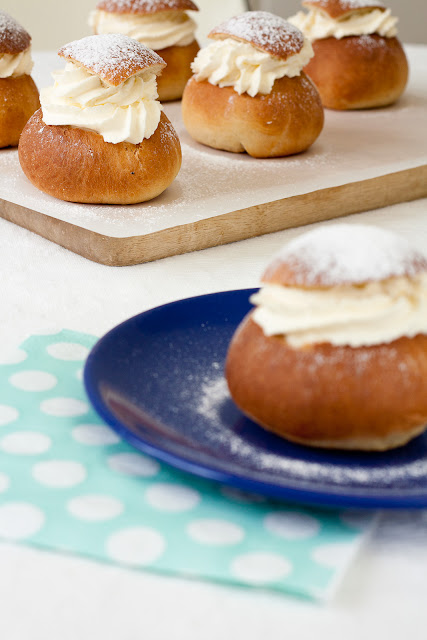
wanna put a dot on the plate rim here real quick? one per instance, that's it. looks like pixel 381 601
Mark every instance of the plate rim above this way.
pixel 304 496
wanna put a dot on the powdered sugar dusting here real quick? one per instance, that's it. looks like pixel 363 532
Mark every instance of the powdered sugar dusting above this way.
pixel 146 6
pixel 348 254
pixel 264 31
pixel 113 57
pixel 339 8
pixel 13 37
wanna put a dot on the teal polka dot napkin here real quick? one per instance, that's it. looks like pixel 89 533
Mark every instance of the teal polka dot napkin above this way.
pixel 68 483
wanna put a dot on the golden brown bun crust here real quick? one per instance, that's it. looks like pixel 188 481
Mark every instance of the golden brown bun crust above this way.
pixel 263 30
pixel 358 72
pixel 286 121
pixel 171 83
pixel 19 99
pixel 13 38
pixel 322 395
pixel 77 165
pixel 341 8
pixel 144 7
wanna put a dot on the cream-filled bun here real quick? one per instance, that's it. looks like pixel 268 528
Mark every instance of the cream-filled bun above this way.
pixel 101 135
pixel 162 25
pixel 19 97
pixel 335 352
pixel 359 63
pixel 249 92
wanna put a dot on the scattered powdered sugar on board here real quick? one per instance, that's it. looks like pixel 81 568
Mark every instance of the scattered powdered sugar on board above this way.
pixel 113 57
pixel 348 254
pixel 145 6
pixel 265 31
pixel 353 147
pixel 340 8
pixel 13 37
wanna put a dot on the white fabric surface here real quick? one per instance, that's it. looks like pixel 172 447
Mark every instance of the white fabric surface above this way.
pixel 44 287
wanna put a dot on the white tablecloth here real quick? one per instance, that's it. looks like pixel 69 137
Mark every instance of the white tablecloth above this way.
pixel 46 596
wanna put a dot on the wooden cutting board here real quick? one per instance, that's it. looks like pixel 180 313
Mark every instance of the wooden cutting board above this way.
pixel 362 161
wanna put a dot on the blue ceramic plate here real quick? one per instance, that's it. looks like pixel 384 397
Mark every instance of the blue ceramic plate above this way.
pixel 158 380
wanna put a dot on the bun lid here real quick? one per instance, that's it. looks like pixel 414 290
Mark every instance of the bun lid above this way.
pixel 145 7
pixel 13 38
pixel 113 57
pixel 342 8
pixel 263 30
pixel 344 254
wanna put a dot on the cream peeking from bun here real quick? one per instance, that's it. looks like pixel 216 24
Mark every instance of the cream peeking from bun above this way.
pixel 359 63
pixel 19 97
pixel 249 92
pixel 335 352
pixel 101 135
pixel 162 25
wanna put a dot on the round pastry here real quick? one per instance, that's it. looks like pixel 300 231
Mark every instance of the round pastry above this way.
pixel 335 353
pixel 101 135
pixel 249 92
pixel 162 25
pixel 359 63
pixel 19 97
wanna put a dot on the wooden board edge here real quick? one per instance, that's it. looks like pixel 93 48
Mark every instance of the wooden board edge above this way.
pixel 324 204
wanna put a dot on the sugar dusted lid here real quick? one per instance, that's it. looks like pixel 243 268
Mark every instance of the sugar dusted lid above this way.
pixel 344 254
pixel 113 57
pixel 144 7
pixel 13 38
pixel 341 8
pixel 263 30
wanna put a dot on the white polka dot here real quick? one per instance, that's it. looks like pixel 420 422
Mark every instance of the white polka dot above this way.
pixel 95 508
pixel 134 464
pixel 172 497
pixel 260 568
pixel 94 435
pixel 7 414
pixel 33 380
pixel 64 407
pixel 291 525
pixel 79 374
pixel 59 474
pixel 215 532
pixel 19 520
pixel 4 482
pixel 334 555
pixel 12 356
pixel 67 351
pixel 26 443
pixel 136 546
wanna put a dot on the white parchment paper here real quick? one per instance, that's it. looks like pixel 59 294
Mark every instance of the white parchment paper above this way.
pixel 354 146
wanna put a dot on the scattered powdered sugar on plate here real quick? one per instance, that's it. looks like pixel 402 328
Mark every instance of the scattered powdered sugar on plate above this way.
pixel 145 6
pixel 13 37
pixel 113 57
pixel 263 30
pixel 348 254
pixel 225 436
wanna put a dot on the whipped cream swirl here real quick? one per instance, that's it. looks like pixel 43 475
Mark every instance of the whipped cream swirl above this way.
pixel 157 31
pixel 231 63
pixel 358 315
pixel 127 113
pixel 15 65
pixel 316 24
